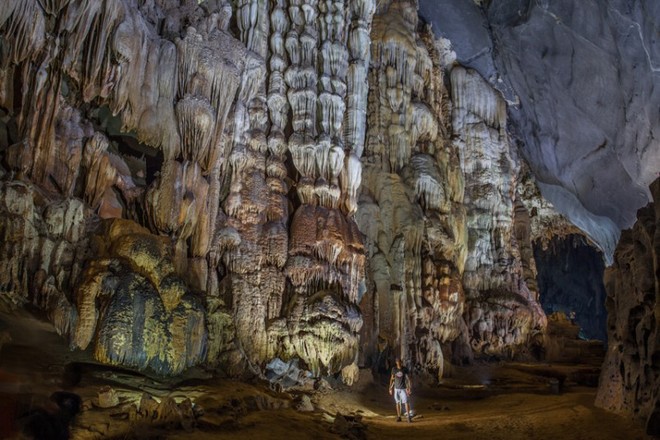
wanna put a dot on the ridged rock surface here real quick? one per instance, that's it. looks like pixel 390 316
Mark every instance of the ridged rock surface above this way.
pixel 410 200
pixel 43 249
pixel 583 82
pixel 500 276
pixel 229 183
pixel 630 381
pixel 132 306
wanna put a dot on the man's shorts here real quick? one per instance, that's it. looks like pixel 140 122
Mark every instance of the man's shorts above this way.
pixel 400 396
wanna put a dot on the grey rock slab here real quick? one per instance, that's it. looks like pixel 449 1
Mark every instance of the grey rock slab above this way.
pixel 584 81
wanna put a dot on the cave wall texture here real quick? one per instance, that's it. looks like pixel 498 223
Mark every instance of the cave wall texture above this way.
pixel 212 184
pixel 630 379
pixel 227 183
pixel 581 78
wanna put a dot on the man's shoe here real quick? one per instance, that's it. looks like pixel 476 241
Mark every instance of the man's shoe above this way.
pixel 409 419
pixel 398 419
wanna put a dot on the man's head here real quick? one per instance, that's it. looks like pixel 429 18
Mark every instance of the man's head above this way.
pixel 398 362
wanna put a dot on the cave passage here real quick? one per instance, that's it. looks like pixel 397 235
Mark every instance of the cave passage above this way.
pixel 570 279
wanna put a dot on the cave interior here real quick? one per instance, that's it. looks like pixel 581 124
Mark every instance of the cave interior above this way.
pixel 227 219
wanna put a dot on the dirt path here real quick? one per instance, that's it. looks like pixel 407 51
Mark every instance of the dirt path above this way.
pixel 515 404
pixel 509 416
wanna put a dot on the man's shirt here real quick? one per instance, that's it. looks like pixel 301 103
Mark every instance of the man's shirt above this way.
pixel 400 377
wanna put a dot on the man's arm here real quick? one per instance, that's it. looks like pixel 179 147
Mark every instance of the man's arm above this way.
pixel 391 382
pixel 408 383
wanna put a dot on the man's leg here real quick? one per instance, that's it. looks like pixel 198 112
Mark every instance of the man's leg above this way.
pixel 408 411
pixel 398 410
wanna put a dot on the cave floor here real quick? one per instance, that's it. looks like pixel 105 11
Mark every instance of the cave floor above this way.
pixel 484 401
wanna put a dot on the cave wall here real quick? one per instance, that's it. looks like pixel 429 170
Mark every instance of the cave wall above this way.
pixel 224 184
pixel 410 200
pixel 583 86
pixel 630 378
pixel 570 279
pixel 502 311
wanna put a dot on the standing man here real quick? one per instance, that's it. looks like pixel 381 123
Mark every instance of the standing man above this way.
pixel 400 385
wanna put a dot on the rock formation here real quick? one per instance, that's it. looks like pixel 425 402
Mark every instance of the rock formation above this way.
pixel 133 307
pixel 321 184
pixel 630 381
pixel 410 200
pixel 44 249
pixel 503 312
pixel 232 183
pixel 581 79
pixel 280 273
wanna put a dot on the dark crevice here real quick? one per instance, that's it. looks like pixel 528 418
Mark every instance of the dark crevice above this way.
pixel 570 279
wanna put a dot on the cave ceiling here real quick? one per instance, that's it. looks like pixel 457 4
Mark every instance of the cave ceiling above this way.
pixel 582 80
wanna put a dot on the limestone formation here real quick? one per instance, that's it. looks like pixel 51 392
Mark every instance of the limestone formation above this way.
pixel 42 249
pixel 581 80
pixel 294 287
pixel 133 308
pixel 410 201
pixel 503 312
pixel 314 183
pixel 629 380
pixel 230 183
pixel 543 222
pixel 278 180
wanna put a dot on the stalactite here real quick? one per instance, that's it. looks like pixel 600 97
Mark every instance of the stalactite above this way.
pixel 504 314
pixel 256 217
pixel 175 202
pixel 416 272
pixel 324 247
pixel 293 160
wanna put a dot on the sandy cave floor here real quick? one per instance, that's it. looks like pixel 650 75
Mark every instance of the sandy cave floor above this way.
pixel 486 401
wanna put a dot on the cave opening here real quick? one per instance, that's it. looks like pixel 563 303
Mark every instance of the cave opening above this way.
pixel 570 280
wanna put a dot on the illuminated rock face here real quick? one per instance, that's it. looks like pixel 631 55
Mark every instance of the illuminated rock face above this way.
pixel 170 73
pixel 225 183
pixel 503 313
pixel 582 82
pixel 629 380
pixel 133 307
pixel 42 250
pixel 295 258
pixel 410 200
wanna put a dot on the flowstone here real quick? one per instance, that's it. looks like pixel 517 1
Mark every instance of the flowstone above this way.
pixel 228 183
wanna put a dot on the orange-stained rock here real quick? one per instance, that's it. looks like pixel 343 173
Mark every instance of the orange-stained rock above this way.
pixel 110 206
